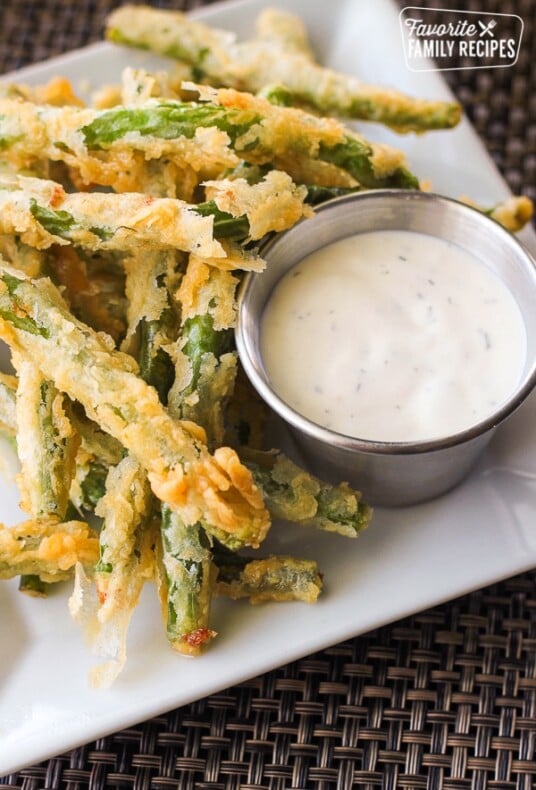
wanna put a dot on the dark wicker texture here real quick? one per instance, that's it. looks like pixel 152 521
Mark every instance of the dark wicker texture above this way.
pixel 444 699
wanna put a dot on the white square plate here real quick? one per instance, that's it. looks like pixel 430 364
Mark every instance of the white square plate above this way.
pixel 410 559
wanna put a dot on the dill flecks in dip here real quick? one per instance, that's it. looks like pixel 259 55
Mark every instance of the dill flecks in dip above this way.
pixel 393 336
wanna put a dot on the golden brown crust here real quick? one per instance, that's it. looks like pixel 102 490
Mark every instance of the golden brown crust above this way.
pixel 274 204
pixel 47 548
pixel 204 289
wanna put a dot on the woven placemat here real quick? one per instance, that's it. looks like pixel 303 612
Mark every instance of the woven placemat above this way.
pixel 444 699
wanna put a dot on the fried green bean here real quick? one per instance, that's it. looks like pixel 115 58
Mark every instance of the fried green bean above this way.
pixel 513 213
pixel 123 565
pixel 258 132
pixel 205 367
pixel 104 605
pixel 33 585
pixel 185 583
pixel 42 213
pixel 46 549
pixel 274 578
pixel 97 452
pixel 212 362
pixel 46 443
pixel 33 135
pixel 46 446
pixel 152 317
pixel 250 65
pixel 125 504
pixel 290 492
pixel 184 558
pixel 204 356
pixel 294 495
pixel 225 126
pixel 216 488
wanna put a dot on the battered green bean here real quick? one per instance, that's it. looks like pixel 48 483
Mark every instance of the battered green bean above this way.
pixel 33 585
pixel 217 489
pixel 290 492
pixel 274 578
pixel 46 443
pixel 184 557
pixel 152 316
pixel 46 446
pixel 205 360
pixel 295 495
pixel 226 126
pixel 185 584
pixel 124 564
pixel 42 213
pixel 46 549
pixel 251 65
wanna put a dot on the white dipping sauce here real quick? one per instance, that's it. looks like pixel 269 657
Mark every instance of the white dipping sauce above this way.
pixel 393 336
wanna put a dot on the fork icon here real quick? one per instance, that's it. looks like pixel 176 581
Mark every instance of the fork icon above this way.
pixel 487 28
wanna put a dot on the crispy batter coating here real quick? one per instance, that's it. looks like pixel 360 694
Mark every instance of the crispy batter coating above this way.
pixel 98 220
pixel 279 55
pixel 276 578
pixel 58 92
pixel 514 213
pixel 36 132
pixel 47 548
pixel 204 289
pixel 47 443
pixel 82 363
pixel 274 204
